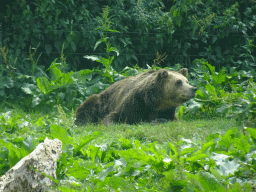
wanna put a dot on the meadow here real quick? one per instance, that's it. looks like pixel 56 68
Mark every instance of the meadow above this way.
pixel 200 154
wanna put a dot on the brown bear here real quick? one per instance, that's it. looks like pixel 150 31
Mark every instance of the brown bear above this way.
pixel 149 96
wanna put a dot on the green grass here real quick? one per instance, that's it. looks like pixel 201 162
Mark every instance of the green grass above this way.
pixel 144 132
pixel 164 132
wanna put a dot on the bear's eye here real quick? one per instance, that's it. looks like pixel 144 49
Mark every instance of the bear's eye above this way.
pixel 179 83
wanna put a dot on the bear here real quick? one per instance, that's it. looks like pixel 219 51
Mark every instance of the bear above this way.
pixel 149 96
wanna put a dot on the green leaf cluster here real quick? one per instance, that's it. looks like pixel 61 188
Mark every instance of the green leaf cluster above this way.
pixel 227 93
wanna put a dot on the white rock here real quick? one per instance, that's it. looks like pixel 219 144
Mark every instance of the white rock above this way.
pixel 22 178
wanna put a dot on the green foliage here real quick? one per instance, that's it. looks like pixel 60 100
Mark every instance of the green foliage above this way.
pixel 218 164
pixel 105 22
pixel 186 30
pixel 189 165
pixel 227 93
pixel 94 160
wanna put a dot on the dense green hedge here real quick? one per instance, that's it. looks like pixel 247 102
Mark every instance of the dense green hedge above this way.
pixel 221 33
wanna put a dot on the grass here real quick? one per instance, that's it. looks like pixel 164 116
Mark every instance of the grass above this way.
pixel 144 132
pixel 165 132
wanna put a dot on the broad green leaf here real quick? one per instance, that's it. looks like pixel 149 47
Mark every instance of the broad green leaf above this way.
pixel 181 111
pixel 85 74
pixel 66 189
pixel 125 143
pixel 92 152
pixel 14 156
pixel 61 133
pixel 228 167
pixel 40 121
pixel 29 143
pixel 95 88
pixel 252 132
pixel 211 68
pixel 240 186
pixel 209 182
pixel 220 78
pixel 197 157
pixel 55 73
pixel 188 150
pixel 14 153
pixel 227 140
pixel 43 84
pixel 118 183
pixel 106 62
pixel 242 145
pixel 224 165
pixel 120 162
pixel 211 89
pixel 173 150
pixel 200 94
pixel 80 169
pixel 67 78
pixel 105 172
pixel 207 146
pixel 85 140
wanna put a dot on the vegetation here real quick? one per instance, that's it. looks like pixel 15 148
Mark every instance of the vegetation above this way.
pixel 212 146
pixel 220 32
pixel 209 156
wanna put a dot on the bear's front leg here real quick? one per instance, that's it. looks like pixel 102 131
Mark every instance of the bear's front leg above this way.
pixel 168 114
pixel 111 118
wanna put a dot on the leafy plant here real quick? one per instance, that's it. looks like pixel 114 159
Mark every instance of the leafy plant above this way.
pixel 185 166
pixel 105 27
pixel 225 94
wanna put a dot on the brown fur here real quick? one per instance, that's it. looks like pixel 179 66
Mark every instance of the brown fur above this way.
pixel 145 97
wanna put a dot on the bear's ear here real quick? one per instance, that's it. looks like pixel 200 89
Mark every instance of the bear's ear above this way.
pixel 183 71
pixel 163 73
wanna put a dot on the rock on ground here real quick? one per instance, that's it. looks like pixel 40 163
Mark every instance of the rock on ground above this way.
pixel 22 178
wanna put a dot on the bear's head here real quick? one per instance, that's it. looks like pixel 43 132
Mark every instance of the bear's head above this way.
pixel 176 89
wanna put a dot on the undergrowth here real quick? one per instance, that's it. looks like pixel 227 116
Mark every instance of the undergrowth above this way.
pixel 197 155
